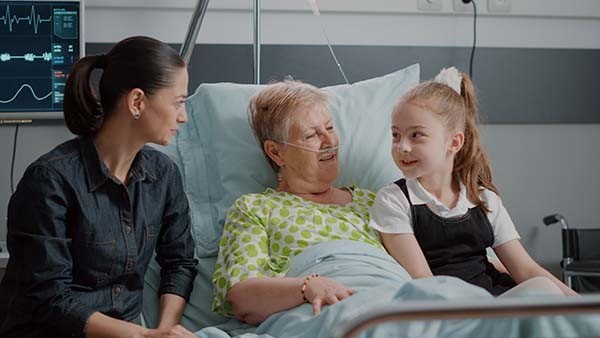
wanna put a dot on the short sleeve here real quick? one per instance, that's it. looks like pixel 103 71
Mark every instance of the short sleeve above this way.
pixel 390 212
pixel 243 250
pixel 502 224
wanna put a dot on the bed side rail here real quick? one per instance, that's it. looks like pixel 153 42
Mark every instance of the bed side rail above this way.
pixel 494 308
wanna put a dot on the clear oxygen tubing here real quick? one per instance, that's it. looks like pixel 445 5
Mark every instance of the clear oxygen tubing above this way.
pixel 315 9
pixel 328 150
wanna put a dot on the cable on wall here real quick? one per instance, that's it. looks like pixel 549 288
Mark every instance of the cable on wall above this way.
pixel 12 163
pixel 474 36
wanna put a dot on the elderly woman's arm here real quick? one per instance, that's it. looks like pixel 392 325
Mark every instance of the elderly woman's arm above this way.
pixel 248 282
pixel 254 299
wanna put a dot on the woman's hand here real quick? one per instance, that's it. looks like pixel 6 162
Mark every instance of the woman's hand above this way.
pixel 322 291
pixel 176 331
pixel 102 326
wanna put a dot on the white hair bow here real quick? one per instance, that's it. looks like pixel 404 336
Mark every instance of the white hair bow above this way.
pixel 450 77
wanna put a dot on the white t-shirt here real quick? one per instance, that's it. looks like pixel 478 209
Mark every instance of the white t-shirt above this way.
pixel 390 212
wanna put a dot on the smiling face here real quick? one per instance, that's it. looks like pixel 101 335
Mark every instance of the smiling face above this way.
pixel 165 109
pixel 421 145
pixel 304 168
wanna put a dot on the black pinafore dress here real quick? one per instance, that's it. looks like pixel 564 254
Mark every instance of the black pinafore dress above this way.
pixel 457 246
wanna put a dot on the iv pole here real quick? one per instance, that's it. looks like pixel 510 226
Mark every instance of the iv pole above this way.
pixel 256 41
pixel 194 27
pixel 192 32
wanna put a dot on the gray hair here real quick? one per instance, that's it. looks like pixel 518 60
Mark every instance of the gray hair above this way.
pixel 272 110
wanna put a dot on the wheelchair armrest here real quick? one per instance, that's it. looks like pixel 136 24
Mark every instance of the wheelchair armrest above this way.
pixel 592 266
pixel 556 218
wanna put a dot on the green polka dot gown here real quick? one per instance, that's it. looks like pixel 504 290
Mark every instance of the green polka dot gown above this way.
pixel 263 231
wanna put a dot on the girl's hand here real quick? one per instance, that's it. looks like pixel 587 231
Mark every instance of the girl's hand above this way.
pixel 322 291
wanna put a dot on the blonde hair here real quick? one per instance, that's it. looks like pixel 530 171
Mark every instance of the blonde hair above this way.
pixel 458 112
pixel 272 110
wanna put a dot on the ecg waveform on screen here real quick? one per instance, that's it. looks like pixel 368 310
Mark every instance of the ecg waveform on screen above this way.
pixel 5 57
pixel 33 19
pixel 32 92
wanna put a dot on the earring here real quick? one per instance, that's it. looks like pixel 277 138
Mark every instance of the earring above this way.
pixel 279 175
pixel 136 116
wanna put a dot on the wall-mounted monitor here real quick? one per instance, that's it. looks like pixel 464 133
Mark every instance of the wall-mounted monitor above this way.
pixel 39 43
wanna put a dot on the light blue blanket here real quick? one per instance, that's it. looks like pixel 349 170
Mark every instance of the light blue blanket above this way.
pixel 380 281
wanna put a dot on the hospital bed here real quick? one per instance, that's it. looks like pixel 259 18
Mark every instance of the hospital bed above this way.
pixel 500 308
pixel 220 160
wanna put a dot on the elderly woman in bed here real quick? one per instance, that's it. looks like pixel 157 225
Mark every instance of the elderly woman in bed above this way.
pixel 292 123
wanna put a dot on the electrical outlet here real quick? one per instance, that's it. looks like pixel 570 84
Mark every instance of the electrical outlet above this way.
pixel 429 5
pixel 498 6
pixel 461 7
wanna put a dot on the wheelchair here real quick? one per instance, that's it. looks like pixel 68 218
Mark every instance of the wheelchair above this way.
pixel 581 255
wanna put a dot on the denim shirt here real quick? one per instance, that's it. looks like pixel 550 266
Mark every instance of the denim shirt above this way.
pixel 80 241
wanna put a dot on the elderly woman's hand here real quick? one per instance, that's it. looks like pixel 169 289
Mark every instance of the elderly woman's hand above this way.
pixel 322 291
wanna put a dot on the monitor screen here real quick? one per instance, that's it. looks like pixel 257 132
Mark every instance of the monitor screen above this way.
pixel 39 43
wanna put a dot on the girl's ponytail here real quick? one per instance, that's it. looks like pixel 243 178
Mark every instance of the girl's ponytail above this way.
pixel 81 106
pixel 471 164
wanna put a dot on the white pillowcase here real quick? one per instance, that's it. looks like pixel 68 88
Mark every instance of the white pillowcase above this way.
pixel 220 159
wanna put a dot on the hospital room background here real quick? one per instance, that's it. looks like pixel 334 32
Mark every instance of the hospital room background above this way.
pixel 536 66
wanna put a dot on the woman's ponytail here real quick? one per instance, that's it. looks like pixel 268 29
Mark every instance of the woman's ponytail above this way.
pixel 136 62
pixel 81 106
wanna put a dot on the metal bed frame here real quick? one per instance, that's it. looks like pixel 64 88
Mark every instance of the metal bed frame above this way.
pixel 417 310
pixel 496 308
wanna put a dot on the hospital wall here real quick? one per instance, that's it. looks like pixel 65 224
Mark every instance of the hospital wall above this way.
pixel 536 70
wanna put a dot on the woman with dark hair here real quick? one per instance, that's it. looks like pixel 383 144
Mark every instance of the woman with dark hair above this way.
pixel 87 217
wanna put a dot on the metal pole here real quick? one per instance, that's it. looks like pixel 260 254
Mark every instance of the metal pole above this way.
pixel 192 32
pixel 257 41
pixel 493 308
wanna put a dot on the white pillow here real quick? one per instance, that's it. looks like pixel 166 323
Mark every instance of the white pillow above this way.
pixel 220 160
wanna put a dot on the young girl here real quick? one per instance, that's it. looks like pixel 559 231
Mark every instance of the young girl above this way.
pixel 443 216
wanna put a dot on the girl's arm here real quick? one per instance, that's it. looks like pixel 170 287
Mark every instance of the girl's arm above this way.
pixel 390 216
pixel 255 299
pixel 498 265
pixel 406 250
pixel 522 267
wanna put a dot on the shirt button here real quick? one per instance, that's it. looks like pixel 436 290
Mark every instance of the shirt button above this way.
pixel 130 265
pixel 128 229
pixel 117 289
